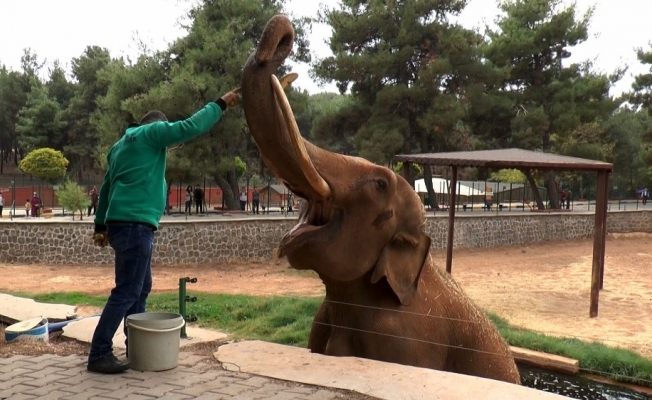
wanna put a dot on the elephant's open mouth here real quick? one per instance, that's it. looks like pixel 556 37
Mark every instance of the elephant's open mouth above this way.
pixel 316 222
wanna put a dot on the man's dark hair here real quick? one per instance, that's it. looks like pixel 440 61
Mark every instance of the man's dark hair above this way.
pixel 153 116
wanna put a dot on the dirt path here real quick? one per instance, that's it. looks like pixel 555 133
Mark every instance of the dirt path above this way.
pixel 259 279
pixel 544 287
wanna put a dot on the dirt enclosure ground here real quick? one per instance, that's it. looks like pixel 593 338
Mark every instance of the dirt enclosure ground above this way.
pixel 544 287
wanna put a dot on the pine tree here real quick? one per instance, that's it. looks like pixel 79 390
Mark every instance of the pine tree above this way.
pixel 533 39
pixel 413 76
pixel 642 86
pixel 72 197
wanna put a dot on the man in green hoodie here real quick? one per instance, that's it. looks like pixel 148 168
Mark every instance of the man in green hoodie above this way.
pixel 132 201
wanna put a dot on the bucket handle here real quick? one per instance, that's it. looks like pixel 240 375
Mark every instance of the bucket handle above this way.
pixel 140 328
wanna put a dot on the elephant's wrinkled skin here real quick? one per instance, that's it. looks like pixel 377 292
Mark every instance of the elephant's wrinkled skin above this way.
pixel 362 231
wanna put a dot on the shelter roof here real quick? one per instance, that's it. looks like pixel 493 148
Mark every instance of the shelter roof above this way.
pixel 278 189
pixel 507 158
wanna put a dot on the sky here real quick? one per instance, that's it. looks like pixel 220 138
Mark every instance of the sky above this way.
pixel 62 29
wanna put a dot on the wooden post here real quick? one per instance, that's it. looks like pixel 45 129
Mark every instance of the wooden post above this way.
pixel 451 220
pixel 604 229
pixel 598 243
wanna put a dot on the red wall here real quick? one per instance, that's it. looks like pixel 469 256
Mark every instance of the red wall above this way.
pixel 177 197
pixel 24 193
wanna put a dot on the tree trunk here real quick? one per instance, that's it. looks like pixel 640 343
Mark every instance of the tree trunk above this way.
pixel 229 198
pixel 552 190
pixel 233 181
pixel 535 189
pixel 427 179
pixel 427 173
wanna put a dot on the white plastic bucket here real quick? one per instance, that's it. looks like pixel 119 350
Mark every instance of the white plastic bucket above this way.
pixel 30 329
pixel 154 340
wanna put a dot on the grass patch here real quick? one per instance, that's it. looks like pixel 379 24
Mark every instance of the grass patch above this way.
pixel 284 320
pixel 304 273
pixel 75 298
pixel 287 320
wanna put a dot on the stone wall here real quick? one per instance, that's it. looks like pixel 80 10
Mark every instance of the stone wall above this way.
pixel 193 242
pixel 482 229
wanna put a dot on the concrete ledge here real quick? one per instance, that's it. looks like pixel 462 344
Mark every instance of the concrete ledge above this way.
pixel 369 377
pixel 83 329
pixel 14 309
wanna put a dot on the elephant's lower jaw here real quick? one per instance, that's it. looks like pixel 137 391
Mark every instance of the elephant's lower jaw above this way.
pixel 313 229
pixel 297 238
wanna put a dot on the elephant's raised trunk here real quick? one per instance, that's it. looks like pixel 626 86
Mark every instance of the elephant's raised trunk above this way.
pixel 270 117
pixel 276 43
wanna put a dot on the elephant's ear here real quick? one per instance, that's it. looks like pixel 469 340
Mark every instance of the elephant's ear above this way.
pixel 401 262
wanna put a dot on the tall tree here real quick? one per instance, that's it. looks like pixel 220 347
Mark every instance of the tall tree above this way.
pixel 14 89
pixel 409 70
pixel 632 151
pixel 533 40
pixel 333 120
pixel 40 122
pixel 13 96
pixel 642 94
pixel 125 81
pixel 83 136
pixel 60 88
pixel 203 65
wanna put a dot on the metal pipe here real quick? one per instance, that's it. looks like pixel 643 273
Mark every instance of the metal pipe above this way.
pixel 182 303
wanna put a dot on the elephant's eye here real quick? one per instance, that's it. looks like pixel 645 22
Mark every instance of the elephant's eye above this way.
pixel 381 184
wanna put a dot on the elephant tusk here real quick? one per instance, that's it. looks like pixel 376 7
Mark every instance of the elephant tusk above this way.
pixel 315 180
pixel 288 79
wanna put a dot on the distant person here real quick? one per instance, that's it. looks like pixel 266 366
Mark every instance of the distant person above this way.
pixel 243 199
pixel 36 204
pixel 167 200
pixel 132 202
pixel 645 194
pixel 94 198
pixel 256 201
pixel 188 209
pixel 569 196
pixel 28 206
pixel 290 201
pixel 2 204
pixel 198 194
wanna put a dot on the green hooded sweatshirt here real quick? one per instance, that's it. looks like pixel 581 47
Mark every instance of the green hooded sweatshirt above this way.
pixel 134 187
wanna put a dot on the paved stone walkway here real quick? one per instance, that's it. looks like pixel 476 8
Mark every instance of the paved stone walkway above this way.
pixel 57 377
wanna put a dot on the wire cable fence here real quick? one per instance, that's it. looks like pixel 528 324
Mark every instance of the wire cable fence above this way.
pixel 458 347
pixel 546 332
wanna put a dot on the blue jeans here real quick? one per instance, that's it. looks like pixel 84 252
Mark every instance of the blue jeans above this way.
pixel 132 243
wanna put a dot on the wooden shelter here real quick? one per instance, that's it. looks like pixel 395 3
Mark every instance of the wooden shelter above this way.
pixel 525 160
pixel 276 196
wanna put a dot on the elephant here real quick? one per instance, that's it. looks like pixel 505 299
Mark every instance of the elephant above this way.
pixel 362 230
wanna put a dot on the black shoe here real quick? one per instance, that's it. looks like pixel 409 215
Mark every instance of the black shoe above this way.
pixel 107 365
